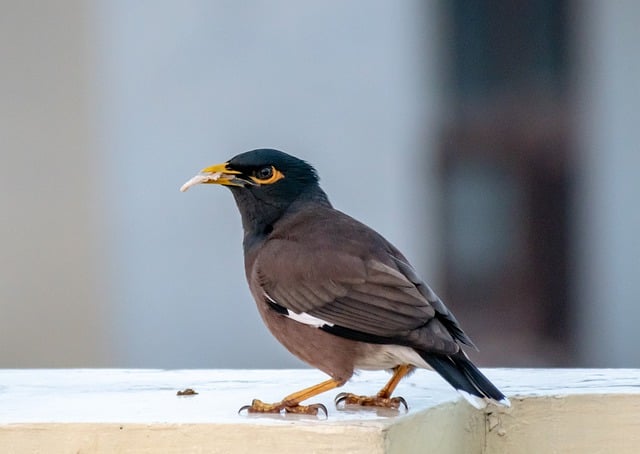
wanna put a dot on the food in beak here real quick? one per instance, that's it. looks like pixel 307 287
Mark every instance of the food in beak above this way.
pixel 203 178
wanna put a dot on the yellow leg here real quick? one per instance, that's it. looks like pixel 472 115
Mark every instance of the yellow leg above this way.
pixel 398 374
pixel 383 398
pixel 291 403
pixel 297 397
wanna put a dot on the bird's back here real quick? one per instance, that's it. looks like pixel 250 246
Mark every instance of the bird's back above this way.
pixel 323 243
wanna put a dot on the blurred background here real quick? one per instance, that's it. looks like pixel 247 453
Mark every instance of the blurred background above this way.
pixel 496 143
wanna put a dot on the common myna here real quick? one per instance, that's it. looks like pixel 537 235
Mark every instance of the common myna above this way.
pixel 334 292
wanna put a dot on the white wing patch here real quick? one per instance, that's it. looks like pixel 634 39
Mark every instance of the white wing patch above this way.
pixel 302 317
pixel 308 319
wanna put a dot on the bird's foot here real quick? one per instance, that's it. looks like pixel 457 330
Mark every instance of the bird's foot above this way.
pixel 371 401
pixel 257 406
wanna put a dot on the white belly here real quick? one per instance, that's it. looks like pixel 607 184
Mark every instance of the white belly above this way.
pixel 378 357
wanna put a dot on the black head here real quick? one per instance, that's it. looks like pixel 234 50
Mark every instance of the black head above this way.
pixel 266 184
pixel 273 171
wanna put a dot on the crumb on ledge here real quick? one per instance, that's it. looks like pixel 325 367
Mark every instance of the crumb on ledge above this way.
pixel 186 392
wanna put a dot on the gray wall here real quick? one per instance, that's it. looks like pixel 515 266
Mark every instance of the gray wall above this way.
pixel 118 104
pixel 182 86
pixel 107 107
pixel 608 191
pixel 51 308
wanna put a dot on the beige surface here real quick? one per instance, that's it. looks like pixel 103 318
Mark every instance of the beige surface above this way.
pixel 137 411
pixel 596 423
pixel 188 438
pixel 444 429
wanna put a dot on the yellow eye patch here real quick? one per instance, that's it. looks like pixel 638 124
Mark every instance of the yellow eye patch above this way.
pixel 267 175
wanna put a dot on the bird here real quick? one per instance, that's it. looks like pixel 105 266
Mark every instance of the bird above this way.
pixel 336 293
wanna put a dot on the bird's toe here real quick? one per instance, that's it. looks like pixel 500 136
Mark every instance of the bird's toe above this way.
pixel 258 407
pixel 343 400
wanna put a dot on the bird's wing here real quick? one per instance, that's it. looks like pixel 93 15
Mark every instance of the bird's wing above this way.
pixel 365 299
pixel 443 314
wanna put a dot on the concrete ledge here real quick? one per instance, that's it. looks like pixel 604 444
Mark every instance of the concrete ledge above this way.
pixel 131 411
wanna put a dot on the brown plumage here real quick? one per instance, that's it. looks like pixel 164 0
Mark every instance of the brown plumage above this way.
pixel 333 291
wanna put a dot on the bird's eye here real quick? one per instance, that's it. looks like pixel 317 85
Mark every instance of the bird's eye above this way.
pixel 264 173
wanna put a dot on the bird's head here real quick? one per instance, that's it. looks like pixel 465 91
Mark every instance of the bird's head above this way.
pixel 265 183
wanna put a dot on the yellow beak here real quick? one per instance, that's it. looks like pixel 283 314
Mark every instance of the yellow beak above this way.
pixel 217 174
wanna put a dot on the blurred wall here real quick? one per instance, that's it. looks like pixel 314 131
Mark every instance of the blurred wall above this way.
pixel 607 221
pixel 113 106
pixel 348 86
pixel 107 107
pixel 51 311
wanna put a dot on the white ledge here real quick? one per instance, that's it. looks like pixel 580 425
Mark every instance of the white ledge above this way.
pixel 98 410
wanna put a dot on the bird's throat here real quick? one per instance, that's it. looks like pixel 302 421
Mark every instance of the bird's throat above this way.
pixel 260 215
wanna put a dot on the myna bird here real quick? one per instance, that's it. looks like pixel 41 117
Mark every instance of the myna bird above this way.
pixel 334 292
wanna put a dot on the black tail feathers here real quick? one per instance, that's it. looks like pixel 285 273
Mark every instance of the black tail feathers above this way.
pixel 465 377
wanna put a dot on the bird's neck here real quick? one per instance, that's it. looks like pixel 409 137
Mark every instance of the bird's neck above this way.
pixel 259 218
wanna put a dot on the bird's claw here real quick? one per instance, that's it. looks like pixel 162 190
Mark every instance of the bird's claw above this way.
pixel 257 407
pixel 371 401
pixel 312 409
